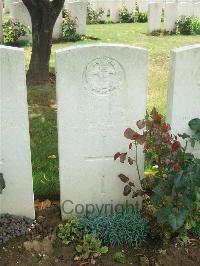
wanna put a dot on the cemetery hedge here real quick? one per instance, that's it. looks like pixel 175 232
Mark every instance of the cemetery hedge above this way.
pixel 42 99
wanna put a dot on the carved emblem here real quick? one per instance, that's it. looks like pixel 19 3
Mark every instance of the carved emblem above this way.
pixel 103 75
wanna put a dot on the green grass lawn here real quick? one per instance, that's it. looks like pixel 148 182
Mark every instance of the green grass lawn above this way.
pixel 42 99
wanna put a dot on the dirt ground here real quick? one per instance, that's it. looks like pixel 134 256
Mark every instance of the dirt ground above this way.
pixel 40 247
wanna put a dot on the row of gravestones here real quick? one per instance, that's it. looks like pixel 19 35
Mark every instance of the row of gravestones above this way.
pixel 78 10
pixel 172 12
pixel 101 90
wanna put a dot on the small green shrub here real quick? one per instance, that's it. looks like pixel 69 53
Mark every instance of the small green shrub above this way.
pixel 69 25
pixel 94 16
pixel 125 16
pixel 13 31
pixel 196 25
pixel 141 17
pixel 117 228
pixel 69 231
pixel 184 25
pixel 119 257
pixel 90 247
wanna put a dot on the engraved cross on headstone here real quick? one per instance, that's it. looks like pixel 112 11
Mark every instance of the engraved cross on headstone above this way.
pixel 103 158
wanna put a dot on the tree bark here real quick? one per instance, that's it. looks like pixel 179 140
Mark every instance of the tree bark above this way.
pixel 44 14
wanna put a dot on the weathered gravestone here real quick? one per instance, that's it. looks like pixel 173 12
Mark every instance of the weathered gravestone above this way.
pixel 154 17
pixel 78 11
pixel 101 91
pixel 197 10
pixel 15 157
pixel 184 89
pixel 185 9
pixel 170 18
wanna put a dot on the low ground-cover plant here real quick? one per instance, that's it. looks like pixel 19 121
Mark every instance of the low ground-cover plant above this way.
pixel 188 25
pixel 87 246
pixel 119 257
pixel 128 227
pixel 69 25
pixel 13 31
pixel 94 16
pixel 70 231
pixel 13 226
pixel 174 191
pixel 90 247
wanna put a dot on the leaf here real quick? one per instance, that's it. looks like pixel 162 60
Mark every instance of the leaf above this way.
pixel 162 215
pixel 117 155
pixel 2 183
pixel 123 157
pixel 130 161
pixel 123 178
pixel 127 190
pixel 177 219
pixel 104 250
pixel 141 123
pixel 131 184
pixel 79 248
pixel 194 124
pixel 130 134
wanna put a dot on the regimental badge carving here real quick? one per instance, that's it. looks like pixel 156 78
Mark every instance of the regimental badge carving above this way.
pixel 103 76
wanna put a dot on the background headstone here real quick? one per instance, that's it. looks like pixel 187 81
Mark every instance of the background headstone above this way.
pixel 184 89
pixel 185 9
pixel 98 98
pixel 78 10
pixel 170 17
pixel 197 10
pixel 154 17
pixel 15 156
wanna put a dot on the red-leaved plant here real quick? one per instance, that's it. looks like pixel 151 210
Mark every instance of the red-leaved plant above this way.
pixel 174 189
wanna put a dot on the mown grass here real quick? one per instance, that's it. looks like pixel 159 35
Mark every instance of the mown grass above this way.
pixel 42 99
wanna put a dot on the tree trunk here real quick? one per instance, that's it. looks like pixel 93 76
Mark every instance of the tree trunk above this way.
pixel 43 16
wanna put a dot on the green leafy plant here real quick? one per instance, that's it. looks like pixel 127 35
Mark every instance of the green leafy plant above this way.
pixel 69 26
pixel 174 191
pixel 90 248
pixel 119 257
pixel 125 16
pixel 94 16
pixel 13 31
pixel 184 25
pixel 2 183
pixel 70 231
pixel 196 25
pixel 127 227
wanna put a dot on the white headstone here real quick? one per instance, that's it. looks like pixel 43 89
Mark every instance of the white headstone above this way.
pixel 114 10
pixel 184 89
pixel 101 90
pixel 170 17
pixel 15 156
pixel 154 17
pixel 185 9
pixel 78 10
pixel 143 6
pixel 197 10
